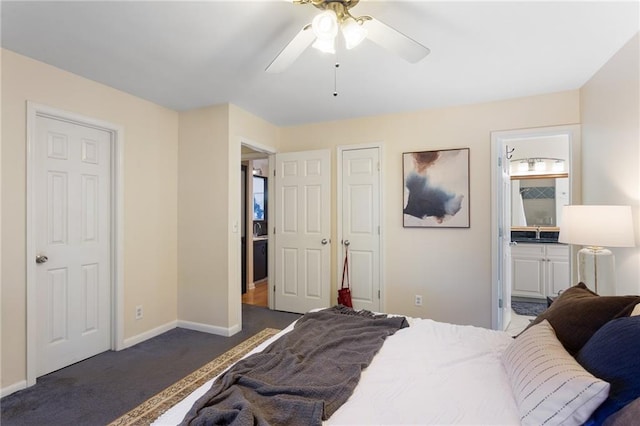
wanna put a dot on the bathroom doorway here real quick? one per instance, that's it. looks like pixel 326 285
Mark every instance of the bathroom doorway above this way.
pixel 535 173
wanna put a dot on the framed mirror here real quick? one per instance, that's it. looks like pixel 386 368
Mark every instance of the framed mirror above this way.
pixel 540 169
pixel 538 200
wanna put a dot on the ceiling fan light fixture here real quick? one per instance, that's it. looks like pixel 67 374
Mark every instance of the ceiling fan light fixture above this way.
pixel 325 45
pixel 335 16
pixel 325 28
pixel 353 32
pixel 325 25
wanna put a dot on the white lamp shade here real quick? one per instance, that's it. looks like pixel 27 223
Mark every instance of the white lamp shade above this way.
pixel 325 25
pixel 599 226
pixel 353 33
pixel 325 28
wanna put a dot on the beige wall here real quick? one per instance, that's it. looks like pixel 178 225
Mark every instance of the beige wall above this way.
pixel 209 213
pixel 610 115
pixel 248 128
pixel 450 268
pixel 203 255
pixel 150 196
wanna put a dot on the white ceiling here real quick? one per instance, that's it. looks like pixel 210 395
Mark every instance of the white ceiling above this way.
pixel 186 55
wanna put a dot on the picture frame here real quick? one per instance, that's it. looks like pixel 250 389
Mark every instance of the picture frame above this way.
pixel 436 189
pixel 259 198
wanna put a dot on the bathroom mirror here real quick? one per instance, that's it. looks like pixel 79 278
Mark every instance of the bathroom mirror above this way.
pixel 540 168
pixel 537 200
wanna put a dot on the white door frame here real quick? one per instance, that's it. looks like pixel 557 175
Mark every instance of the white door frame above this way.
pixel 117 220
pixel 339 150
pixel 498 139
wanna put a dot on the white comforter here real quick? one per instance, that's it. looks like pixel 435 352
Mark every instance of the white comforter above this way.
pixel 430 373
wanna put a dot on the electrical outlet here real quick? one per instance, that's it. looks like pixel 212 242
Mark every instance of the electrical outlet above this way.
pixel 139 312
pixel 418 301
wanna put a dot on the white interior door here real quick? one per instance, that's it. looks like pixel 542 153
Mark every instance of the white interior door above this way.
pixel 504 222
pixel 501 234
pixel 72 234
pixel 302 230
pixel 360 224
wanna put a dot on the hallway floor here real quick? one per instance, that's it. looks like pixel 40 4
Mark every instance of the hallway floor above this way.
pixel 257 296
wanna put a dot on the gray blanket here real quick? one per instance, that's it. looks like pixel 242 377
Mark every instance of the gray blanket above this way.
pixel 301 378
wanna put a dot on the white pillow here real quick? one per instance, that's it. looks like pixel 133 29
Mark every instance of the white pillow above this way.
pixel 636 311
pixel 548 384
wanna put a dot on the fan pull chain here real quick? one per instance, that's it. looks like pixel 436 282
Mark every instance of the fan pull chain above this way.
pixel 335 79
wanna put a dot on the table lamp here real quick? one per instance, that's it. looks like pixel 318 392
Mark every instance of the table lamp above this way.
pixel 597 227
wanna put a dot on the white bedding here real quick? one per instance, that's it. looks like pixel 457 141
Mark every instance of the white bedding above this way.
pixel 429 373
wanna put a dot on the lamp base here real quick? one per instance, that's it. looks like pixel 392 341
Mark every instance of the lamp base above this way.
pixel 596 268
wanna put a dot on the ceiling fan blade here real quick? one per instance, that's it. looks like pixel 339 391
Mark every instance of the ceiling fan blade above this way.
pixel 394 41
pixel 291 51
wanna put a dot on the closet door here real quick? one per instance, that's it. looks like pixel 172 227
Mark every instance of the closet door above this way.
pixel 360 224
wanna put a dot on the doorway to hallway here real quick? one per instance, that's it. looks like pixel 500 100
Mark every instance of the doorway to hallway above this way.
pixel 254 218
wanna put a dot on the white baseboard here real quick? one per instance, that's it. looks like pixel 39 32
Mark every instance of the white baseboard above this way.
pixel 211 329
pixel 149 334
pixel 13 388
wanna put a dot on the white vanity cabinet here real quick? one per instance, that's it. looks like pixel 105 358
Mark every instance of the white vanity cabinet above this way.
pixel 539 270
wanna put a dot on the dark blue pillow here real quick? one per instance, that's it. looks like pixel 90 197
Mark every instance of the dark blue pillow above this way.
pixel 613 355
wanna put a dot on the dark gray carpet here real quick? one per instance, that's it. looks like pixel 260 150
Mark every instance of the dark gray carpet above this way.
pixel 532 309
pixel 100 389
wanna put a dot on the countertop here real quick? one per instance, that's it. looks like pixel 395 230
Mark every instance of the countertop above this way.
pixel 535 241
pixel 529 237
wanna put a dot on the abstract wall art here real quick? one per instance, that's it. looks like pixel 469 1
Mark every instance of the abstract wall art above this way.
pixel 436 189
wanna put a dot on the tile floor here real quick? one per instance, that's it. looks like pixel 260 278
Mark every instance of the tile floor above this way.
pixel 518 323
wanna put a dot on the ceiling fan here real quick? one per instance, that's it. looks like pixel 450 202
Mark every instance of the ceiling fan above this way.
pixel 335 17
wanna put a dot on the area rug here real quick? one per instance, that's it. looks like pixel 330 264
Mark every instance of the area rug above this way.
pixel 531 309
pixel 154 407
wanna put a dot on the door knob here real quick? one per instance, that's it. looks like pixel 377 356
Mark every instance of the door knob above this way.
pixel 346 242
pixel 324 241
pixel 41 258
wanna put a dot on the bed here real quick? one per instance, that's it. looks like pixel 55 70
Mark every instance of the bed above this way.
pixel 558 371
